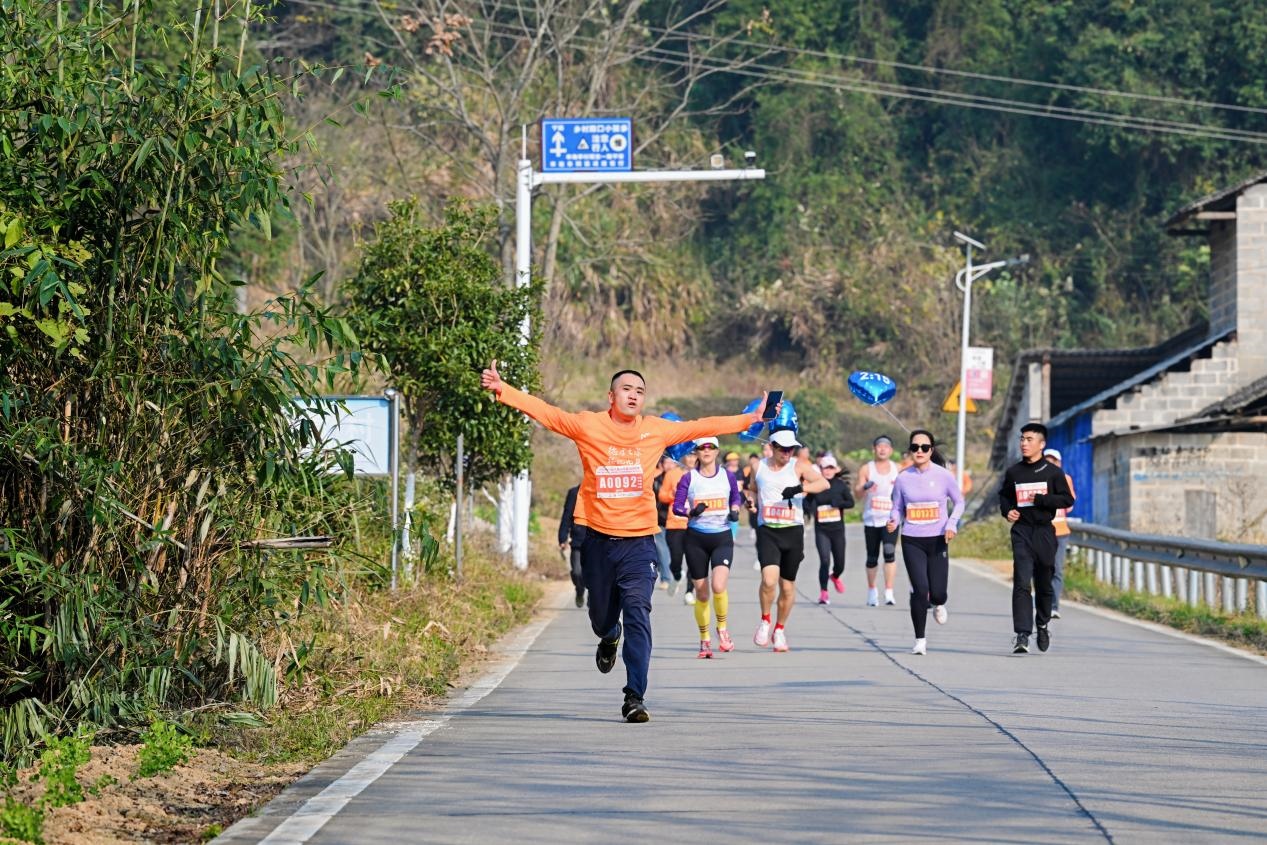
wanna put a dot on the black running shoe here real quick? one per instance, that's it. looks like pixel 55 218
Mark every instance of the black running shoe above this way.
pixel 605 657
pixel 1044 638
pixel 580 597
pixel 1021 644
pixel 634 710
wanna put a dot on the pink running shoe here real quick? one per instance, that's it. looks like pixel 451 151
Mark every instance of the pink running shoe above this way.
pixel 724 642
pixel 705 650
pixel 823 599
pixel 780 640
pixel 762 637
pixel 838 584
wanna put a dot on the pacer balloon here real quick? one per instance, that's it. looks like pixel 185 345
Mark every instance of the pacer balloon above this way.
pixel 678 451
pixel 786 418
pixel 872 388
pixel 753 431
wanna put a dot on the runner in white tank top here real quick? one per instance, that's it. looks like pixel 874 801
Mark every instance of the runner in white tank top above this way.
pixel 875 488
pixel 780 484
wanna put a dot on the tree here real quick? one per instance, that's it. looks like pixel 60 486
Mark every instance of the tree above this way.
pixel 146 438
pixel 430 302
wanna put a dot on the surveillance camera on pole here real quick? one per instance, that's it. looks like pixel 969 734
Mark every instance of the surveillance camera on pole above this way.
pixel 750 158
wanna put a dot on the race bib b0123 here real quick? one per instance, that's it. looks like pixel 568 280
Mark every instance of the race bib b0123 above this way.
pixel 922 513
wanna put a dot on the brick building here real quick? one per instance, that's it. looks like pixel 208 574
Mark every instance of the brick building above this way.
pixel 1170 439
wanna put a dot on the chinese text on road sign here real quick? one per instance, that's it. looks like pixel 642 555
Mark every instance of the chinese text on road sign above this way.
pixel 583 144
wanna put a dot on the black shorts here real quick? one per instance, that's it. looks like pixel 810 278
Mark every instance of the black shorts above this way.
pixel 705 550
pixel 781 547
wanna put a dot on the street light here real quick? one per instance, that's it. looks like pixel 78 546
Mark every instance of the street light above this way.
pixel 963 280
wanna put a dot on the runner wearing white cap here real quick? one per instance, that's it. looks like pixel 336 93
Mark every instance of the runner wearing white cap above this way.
pixel 828 511
pixel 1061 525
pixel 779 486
pixel 708 496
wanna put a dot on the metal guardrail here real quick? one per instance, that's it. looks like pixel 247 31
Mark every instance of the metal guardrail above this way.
pixel 1194 571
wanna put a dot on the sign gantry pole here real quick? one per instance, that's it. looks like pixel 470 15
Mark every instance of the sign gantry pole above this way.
pixel 580 151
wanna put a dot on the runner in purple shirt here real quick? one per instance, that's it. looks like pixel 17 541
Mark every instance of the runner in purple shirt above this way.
pixel 919 506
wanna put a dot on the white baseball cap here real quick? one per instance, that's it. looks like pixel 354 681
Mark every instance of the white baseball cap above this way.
pixel 707 441
pixel 784 437
pixel 1052 453
pixel 828 461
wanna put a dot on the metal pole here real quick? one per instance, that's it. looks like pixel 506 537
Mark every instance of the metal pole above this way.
pixel 1194 587
pixel 1211 598
pixel 1167 589
pixel 1242 595
pixel 457 521
pixel 963 369
pixel 1260 599
pixel 394 462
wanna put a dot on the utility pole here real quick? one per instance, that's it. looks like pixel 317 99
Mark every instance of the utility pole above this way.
pixel 527 180
pixel 963 280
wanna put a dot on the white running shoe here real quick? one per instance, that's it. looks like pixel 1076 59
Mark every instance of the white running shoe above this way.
pixel 888 597
pixel 780 640
pixel 762 637
pixel 873 597
pixel 1055 614
pixel 676 589
pixel 940 615
pixel 920 647
pixel 688 599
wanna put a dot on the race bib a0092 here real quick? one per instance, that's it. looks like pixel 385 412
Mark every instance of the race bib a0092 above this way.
pixel 619 482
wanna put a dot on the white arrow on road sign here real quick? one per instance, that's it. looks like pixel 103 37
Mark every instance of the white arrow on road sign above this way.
pixel 557 140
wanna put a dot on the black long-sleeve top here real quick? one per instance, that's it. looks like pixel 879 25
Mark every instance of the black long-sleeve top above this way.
pixel 568 529
pixel 837 495
pixel 1037 490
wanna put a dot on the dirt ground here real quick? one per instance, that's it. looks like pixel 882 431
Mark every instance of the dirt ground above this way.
pixel 182 805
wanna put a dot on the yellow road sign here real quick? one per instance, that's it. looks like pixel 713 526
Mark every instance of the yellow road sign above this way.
pixel 951 403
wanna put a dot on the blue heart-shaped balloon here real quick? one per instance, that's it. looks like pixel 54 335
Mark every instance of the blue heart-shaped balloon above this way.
pixel 786 418
pixel 678 450
pixel 872 388
pixel 753 431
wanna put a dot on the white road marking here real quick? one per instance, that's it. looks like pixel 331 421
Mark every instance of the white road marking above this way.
pixel 983 570
pixel 313 814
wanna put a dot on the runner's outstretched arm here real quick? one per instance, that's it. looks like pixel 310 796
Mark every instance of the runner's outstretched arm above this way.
pixel 555 419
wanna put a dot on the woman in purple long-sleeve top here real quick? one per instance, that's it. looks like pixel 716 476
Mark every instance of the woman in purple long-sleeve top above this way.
pixel 919 506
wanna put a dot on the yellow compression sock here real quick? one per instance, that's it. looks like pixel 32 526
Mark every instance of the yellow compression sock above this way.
pixel 701 618
pixel 721 603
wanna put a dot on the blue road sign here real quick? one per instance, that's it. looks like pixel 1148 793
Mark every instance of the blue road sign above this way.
pixel 572 145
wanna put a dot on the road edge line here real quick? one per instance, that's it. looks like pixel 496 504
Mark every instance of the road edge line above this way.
pixel 301 824
pixel 976 567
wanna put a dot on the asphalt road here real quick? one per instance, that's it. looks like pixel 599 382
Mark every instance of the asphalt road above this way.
pixel 1119 733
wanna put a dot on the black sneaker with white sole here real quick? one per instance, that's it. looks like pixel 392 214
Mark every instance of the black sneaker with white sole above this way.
pixel 1021 644
pixel 634 709
pixel 1044 638
pixel 605 657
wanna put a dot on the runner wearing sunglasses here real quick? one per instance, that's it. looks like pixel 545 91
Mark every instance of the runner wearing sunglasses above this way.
pixel 779 486
pixel 709 497
pixel 919 506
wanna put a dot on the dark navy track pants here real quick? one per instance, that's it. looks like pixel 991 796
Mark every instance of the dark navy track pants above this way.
pixel 620 574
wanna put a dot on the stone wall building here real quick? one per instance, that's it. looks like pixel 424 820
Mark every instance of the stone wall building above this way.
pixel 1177 442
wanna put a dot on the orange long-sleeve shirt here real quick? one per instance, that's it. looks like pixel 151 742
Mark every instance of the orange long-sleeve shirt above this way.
pixel 668 488
pixel 619 461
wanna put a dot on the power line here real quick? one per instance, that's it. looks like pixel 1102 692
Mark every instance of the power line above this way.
pixel 844 57
pixel 682 59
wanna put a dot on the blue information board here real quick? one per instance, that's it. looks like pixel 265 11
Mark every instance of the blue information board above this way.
pixel 574 145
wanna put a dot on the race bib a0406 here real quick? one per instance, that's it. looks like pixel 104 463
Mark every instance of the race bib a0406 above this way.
pixel 779 514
